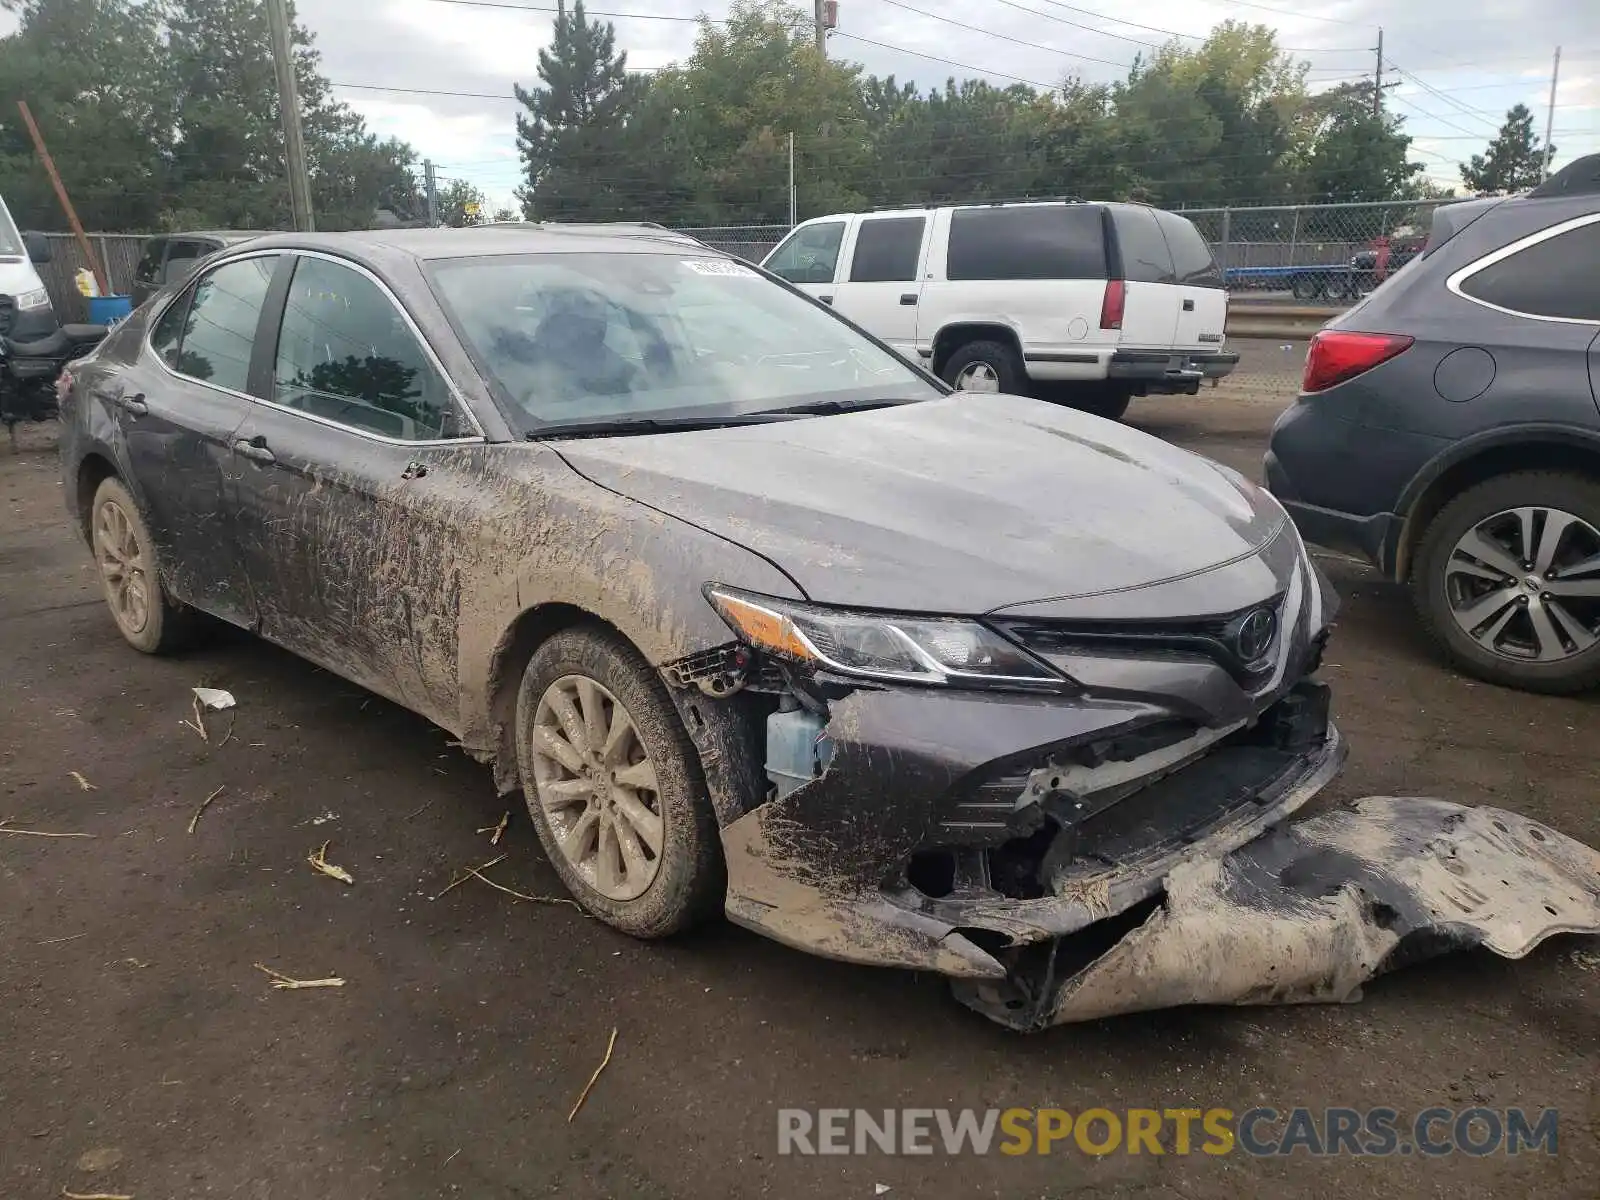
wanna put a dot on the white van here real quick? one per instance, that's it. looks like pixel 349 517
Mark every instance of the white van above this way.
pixel 1087 303
pixel 25 312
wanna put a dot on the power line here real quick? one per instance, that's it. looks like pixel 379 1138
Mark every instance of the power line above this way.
pixel 1422 112
pixel 614 16
pixel 1465 109
pixel 1004 36
pixel 1198 37
pixel 950 62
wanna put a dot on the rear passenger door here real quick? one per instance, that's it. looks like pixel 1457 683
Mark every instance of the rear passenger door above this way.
pixel 177 412
pixel 1203 297
pixel 881 290
pixel 349 474
pixel 1152 297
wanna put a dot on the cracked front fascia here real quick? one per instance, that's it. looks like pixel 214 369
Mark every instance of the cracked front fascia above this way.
pixel 821 868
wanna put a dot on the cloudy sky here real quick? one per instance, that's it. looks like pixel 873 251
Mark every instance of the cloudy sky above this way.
pixel 1458 66
pixel 1456 74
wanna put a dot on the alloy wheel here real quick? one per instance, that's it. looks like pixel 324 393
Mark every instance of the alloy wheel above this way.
pixel 124 567
pixel 978 377
pixel 1525 584
pixel 597 787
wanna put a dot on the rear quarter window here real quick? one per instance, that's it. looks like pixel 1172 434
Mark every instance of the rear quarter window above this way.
pixel 1142 247
pixel 1556 277
pixel 1191 257
pixel 1042 241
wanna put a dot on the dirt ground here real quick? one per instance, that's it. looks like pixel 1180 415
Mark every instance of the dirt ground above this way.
pixel 142 1053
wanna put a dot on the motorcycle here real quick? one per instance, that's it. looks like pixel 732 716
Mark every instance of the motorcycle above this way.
pixel 29 370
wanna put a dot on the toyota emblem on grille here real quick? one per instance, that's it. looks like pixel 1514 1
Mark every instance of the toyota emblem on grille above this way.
pixel 1253 635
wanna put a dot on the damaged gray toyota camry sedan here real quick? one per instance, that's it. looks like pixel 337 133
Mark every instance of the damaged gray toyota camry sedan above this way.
pixel 761 618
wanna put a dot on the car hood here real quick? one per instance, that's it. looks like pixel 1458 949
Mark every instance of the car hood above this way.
pixel 962 504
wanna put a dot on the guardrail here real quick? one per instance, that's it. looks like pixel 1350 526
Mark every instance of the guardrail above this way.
pixel 1295 321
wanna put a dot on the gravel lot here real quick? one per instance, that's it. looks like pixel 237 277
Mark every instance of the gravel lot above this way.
pixel 142 1053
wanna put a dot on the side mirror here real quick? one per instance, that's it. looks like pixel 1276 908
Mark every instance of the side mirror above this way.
pixel 38 247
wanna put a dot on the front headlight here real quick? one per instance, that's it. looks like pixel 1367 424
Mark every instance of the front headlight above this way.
pixel 32 301
pixel 936 650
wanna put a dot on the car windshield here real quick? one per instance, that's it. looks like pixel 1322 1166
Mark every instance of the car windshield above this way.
pixel 616 338
pixel 10 240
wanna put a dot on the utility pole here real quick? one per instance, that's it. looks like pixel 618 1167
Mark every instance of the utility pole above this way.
pixel 1377 88
pixel 822 29
pixel 792 221
pixel 430 189
pixel 1550 117
pixel 289 105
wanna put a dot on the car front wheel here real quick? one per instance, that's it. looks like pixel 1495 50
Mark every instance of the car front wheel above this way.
pixel 1507 579
pixel 614 787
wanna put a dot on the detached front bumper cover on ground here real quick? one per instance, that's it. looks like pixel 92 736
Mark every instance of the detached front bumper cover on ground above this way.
pixel 1312 910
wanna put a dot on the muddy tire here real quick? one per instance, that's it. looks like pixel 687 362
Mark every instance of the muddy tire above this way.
pixel 986 367
pixel 614 786
pixel 130 575
pixel 1503 581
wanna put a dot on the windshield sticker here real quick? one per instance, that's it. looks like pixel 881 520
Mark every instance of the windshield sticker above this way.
pixel 719 266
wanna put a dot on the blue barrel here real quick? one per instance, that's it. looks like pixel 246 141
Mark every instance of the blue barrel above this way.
pixel 103 310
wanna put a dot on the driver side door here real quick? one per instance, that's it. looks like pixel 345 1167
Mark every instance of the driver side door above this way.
pixel 809 259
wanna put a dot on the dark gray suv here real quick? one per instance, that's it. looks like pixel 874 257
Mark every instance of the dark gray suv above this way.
pixel 1447 428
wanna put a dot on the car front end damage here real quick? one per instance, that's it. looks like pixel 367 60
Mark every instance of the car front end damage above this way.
pixel 976 828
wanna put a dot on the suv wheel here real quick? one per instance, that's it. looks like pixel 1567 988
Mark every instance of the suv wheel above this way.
pixel 1105 400
pixel 985 367
pixel 1507 579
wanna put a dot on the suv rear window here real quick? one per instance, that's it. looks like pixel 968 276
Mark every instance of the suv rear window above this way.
pixel 1552 278
pixel 1144 252
pixel 1190 254
pixel 1033 241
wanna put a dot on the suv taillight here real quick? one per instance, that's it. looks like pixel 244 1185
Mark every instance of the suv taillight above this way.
pixel 1335 356
pixel 1111 306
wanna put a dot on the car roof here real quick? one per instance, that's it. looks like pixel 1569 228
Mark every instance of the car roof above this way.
pixel 505 239
pixel 227 236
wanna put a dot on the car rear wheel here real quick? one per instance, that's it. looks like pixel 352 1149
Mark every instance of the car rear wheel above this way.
pixel 985 367
pixel 125 557
pixel 1507 579
pixel 614 786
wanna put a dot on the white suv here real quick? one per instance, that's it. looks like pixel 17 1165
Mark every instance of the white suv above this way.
pixel 1087 303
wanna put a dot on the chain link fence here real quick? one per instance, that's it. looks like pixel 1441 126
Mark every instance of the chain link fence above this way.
pixel 1325 254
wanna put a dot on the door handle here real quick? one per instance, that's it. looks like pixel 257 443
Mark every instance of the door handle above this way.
pixel 908 297
pixel 1188 306
pixel 254 449
pixel 826 299
pixel 133 405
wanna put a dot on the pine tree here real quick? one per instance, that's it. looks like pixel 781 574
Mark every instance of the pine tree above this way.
pixel 1514 162
pixel 572 136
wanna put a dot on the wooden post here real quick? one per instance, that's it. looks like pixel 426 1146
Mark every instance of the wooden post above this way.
pixel 61 195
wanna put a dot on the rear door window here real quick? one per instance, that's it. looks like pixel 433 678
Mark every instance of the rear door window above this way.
pixel 811 255
pixel 1145 255
pixel 1555 277
pixel 1035 241
pixel 888 250
pixel 182 256
pixel 1191 257
pixel 219 324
